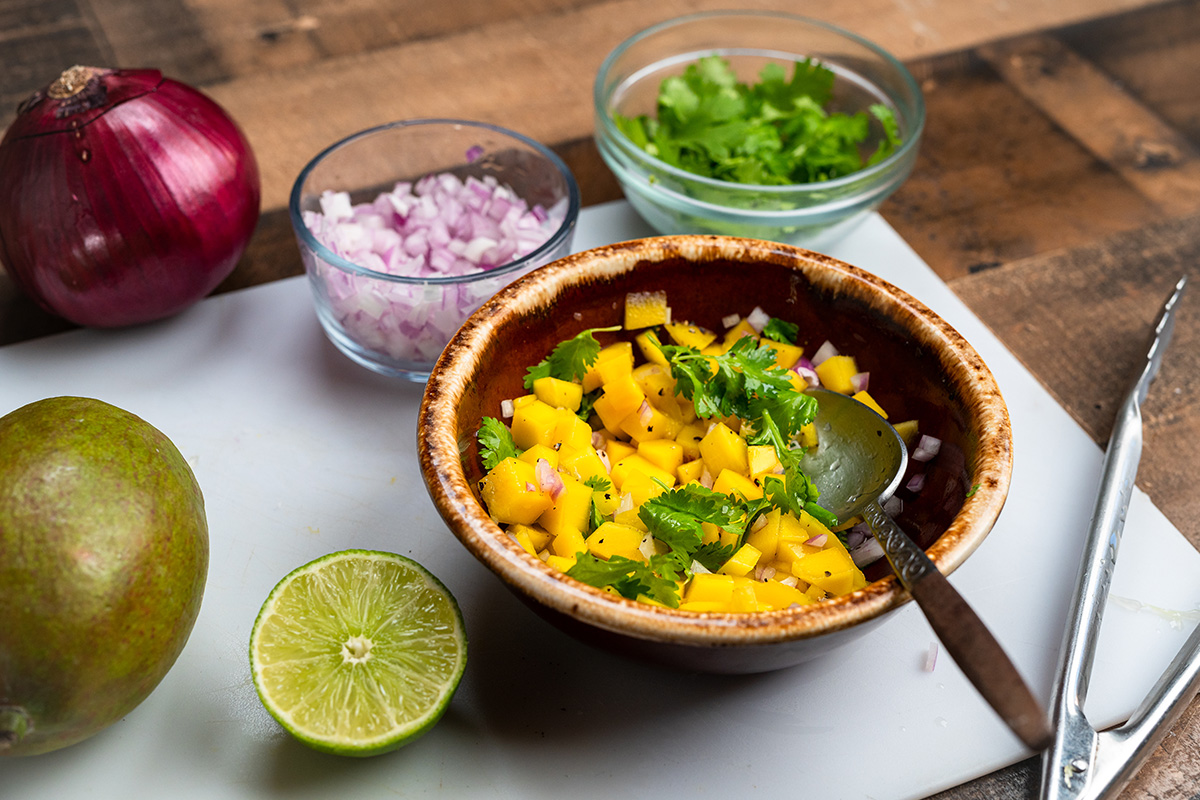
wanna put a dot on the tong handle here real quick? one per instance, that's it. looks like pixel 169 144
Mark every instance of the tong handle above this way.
pixel 1070 764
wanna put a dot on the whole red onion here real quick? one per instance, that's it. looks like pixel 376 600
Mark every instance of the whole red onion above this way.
pixel 124 196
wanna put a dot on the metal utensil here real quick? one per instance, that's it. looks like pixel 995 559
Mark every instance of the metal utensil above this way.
pixel 1083 764
pixel 859 463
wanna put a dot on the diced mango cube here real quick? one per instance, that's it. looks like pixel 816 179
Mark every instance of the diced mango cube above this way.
pixel 620 350
pixel 733 483
pixel 762 458
pixel 558 393
pixel 689 471
pixel 868 401
pixel 786 355
pixel 808 436
pixel 560 563
pixel 571 431
pixel 616 449
pixel 689 438
pixel 612 539
pixel 568 544
pixel 538 537
pixel 688 334
pixel 622 469
pixel 765 536
pixel 521 535
pixel 534 423
pixel 539 452
pixel 744 599
pixel 835 373
pixel 582 464
pixel 830 569
pixel 510 492
pixel 908 430
pixel 663 453
pixel 642 487
pixel 621 398
pixel 722 448
pixel 649 350
pixel 776 595
pixel 646 309
pixel 743 328
pixel 649 423
pixel 709 587
pixel 571 510
pixel 741 562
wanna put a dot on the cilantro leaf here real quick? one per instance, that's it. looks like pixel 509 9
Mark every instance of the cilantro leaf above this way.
pixel 781 330
pixel 570 358
pixel 495 442
pixel 676 518
pixel 628 577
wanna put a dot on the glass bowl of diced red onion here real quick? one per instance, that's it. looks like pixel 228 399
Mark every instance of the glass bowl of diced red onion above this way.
pixel 405 229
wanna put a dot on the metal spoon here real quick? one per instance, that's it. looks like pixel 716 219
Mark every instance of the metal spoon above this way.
pixel 859 463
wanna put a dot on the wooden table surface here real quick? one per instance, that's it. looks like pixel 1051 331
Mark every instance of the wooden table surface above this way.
pixel 1057 191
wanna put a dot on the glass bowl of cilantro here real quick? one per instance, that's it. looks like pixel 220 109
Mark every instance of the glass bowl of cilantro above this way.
pixel 757 124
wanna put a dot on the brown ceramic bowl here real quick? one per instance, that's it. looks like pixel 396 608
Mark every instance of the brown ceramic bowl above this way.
pixel 920 368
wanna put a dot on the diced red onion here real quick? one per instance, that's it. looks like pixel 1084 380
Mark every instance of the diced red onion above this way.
pixel 645 413
pixel 706 478
pixel 440 226
pixel 927 447
pixel 790 580
pixel 626 503
pixel 758 319
pixel 826 350
pixel 818 540
pixel 730 320
pixel 804 368
pixel 507 409
pixel 916 483
pixel 603 456
pixel 867 553
pixel 857 535
pixel 646 546
pixel 760 522
pixel 931 657
pixel 548 479
pixel 762 572
pixel 893 506
pixel 860 381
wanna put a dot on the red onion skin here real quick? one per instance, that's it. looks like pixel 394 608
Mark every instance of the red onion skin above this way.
pixel 128 212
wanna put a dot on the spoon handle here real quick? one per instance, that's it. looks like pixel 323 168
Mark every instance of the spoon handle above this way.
pixel 963 634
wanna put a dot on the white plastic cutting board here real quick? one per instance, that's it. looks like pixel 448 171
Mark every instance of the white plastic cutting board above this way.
pixel 301 453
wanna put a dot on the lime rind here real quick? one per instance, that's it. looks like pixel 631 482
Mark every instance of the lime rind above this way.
pixel 358 652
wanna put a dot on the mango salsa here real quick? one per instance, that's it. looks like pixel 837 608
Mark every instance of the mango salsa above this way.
pixel 643 479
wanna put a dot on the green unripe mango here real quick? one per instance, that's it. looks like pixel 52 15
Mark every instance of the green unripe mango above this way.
pixel 103 560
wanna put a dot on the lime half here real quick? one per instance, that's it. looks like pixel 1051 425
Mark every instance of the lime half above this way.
pixel 358 652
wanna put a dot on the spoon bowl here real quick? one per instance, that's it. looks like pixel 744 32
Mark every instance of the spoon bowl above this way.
pixel 860 458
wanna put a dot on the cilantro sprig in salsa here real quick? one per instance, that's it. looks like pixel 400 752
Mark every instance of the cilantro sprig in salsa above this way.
pixel 776 132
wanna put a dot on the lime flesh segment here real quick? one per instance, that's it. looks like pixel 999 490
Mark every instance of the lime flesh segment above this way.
pixel 358 652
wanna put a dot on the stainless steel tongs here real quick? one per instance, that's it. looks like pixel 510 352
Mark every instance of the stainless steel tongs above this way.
pixel 1084 764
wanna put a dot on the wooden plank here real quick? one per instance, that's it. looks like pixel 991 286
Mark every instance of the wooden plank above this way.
pixel 1098 113
pixel 998 180
pixel 539 70
pixel 39 39
pixel 164 34
pixel 1079 320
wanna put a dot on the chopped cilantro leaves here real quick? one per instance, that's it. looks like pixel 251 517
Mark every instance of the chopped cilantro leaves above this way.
pixel 570 358
pixel 495 442
pixel 775 132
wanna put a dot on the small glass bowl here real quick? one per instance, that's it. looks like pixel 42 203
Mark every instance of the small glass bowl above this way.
pixel 396 324
pixel 674 201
